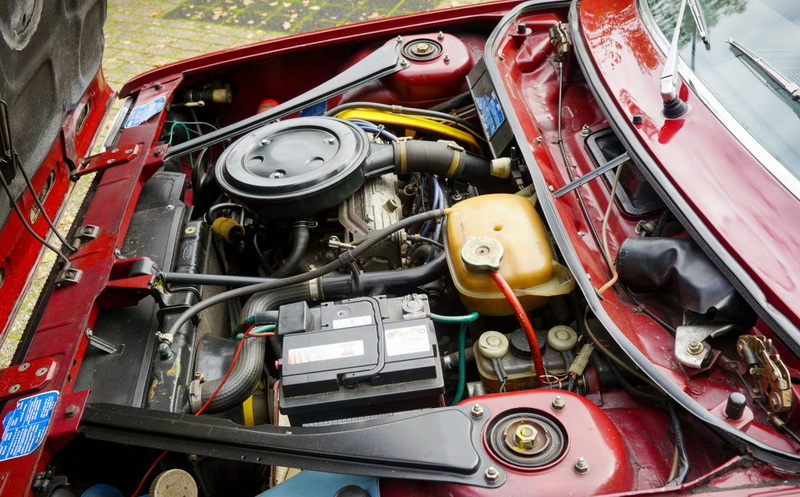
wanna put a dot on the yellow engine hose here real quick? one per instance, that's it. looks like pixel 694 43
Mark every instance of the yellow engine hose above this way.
pixel 412 122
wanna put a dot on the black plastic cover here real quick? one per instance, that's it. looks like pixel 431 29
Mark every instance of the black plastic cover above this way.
pixel 295 167
pixel 679 269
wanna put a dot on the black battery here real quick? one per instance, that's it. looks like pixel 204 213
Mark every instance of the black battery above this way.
pixel 359 357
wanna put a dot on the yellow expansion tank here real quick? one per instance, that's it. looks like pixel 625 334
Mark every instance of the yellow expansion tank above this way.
pixel 528 265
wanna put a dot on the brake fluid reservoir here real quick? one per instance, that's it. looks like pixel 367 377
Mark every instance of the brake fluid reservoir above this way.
pixel 527 264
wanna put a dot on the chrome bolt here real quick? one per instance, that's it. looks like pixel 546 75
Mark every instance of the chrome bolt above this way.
pixel 440 36
pixel 477 411
pixel 14 388
pixel 42 371
pixel 491 474
pixel 586 130
pixel 170 207
pixel 501 57
pixel 266 141
pixel 404 63
pixel 446 59
pixel 399 39
pixel 110 161
pixel 558 403
pixel 581 234
pixel 330 141
pixel 71 411
pixel 581 466
pixel 695 347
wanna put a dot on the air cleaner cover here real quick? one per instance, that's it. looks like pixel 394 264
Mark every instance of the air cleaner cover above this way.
pixel 295 167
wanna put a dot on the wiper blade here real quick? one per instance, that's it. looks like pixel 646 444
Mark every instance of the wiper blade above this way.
pixel 780 78
pixel 699 20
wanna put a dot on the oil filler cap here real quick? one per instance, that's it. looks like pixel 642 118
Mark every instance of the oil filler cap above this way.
pixel 174 483
pixel 295 167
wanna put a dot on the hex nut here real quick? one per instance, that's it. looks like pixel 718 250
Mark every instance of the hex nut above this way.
pixel 491 474
pixel 695 347
pixel 581 466
pixel 476 411
pixel 558 403
pixel 525 436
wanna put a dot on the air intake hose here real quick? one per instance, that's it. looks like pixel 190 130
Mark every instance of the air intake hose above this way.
pixel 444 159
pixel 247 371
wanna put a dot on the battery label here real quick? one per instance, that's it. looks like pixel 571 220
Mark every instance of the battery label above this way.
pixel 408 340
pixel 338 324
pixel 25 427
pixel 340 350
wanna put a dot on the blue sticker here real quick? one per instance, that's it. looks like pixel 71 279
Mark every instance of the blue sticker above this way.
pixel 143 112
pixel 315 110
pixel 490 112
pixel 24 428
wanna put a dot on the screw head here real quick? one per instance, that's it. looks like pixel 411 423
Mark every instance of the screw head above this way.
pixel 42 371
pixel 71 411
pixel 581 466
pixel 477 411
pixel 492 474
pixel 558 403
pixel 440 36
pixel 24 366
pixel 14 388
pixel 695 347
pixel 586 130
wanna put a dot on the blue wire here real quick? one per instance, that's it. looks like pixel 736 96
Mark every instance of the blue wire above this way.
pixel 373 128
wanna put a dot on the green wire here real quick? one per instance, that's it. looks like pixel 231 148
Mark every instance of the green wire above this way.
pixel 188 133
pixel 467 318
pixel 462 363
pixel 261 330
pixel 462 345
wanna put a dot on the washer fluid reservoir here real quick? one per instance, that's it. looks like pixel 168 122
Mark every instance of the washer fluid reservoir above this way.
pixel 527 264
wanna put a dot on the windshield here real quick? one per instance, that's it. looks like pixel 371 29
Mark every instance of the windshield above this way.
pixel 770 29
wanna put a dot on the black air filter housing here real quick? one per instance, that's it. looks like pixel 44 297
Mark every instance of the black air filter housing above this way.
pixel 295 167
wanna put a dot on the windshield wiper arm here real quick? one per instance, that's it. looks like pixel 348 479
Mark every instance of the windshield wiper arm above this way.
pixel 699 20
pixel 673 105
pixel 784 82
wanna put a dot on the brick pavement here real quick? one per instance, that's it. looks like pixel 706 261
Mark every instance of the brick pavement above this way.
pixel 145 34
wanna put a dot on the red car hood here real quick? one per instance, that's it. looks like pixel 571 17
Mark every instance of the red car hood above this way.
pixel 738 206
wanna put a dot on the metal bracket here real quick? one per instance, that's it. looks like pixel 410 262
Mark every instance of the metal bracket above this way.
pixel 389 446
pixel 68 276
pixel 102 344
pixel 87 232
pixel 691 348
pixel 608 166
pixel 26 377
pixel 117 156
pixel 382 62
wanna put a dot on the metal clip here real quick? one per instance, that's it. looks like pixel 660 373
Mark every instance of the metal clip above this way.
pixel 770 373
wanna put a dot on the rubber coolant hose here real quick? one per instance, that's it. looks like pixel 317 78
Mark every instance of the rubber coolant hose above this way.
pixel 300 236
pixel 247 371
pixel 343 260
pixel 440 158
